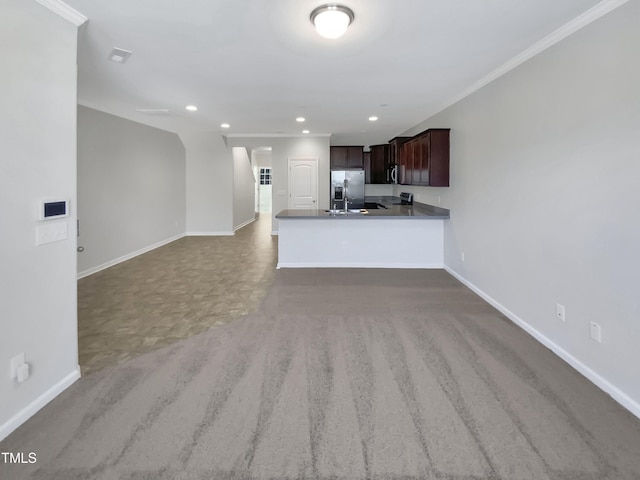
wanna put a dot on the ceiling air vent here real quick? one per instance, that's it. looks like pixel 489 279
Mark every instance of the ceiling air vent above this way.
pixel 119 55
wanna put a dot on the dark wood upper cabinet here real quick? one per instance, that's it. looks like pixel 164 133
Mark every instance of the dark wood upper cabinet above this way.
pixel 424 160
pixel 346 157
pixel 367 167
pixel 394 149
pixel 439 151
pixel 405 162
pixel 379 163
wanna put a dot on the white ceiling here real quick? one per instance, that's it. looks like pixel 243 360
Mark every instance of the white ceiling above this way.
pixel 258 64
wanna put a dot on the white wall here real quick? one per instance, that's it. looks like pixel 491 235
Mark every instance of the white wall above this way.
pixel 284 148
pixel 37 161
pixel 131 188
pixel 265 194
pixel 261 158
pixel 545 200
pixel 375 190
pixel 244 188
pixel 209 184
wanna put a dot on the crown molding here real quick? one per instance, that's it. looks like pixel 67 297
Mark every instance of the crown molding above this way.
pixel 276 135
pixel 65 11
pixel 560 34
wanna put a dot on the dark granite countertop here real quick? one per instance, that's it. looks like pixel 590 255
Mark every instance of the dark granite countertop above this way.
pixel 383 199
pixel 418 211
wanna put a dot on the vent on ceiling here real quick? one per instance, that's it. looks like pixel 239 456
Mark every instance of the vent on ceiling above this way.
pixel 154 111
pixel 119 55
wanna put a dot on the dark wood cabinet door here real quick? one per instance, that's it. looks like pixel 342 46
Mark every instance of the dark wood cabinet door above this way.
pixel 421 160
pixel 379 162
pixel 346 157
pixel 395 145
pixel 367 167
pixel 338 157
pixel 439 158
pixel 406 162
pixel 355 157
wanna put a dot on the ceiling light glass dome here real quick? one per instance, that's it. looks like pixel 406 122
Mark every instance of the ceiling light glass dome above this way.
pixel 332 20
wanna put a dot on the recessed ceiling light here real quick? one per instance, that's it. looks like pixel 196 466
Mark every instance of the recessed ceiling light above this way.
pixel 300 119
pixel 225 125
pixel 191 108
pixel 119 55
pixel 305 131
pixel 373 119
pixel 332 20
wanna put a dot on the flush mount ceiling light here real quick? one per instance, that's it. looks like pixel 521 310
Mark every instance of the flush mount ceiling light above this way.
pixel 225 125
pixel 332 20
pixel 305 131
pixel 191 108
pixel 300 119
pixel 373 119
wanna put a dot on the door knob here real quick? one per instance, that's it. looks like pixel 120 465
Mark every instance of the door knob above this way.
pixel 80 249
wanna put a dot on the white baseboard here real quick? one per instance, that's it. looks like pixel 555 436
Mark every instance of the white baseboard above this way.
pixel 251 220
pixel 618 395
pixel 360 265
pixel 30 410
pixel 129 256
pixel 210 234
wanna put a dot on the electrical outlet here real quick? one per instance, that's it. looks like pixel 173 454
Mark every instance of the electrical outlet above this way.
pixel 596 333
pixel 439 200
pixel 16 362
pixel 560 312
pixel 462 256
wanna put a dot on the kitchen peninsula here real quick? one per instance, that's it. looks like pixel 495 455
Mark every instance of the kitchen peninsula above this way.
pixel 398 236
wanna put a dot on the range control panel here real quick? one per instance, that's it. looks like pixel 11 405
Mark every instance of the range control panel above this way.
pixel 406 198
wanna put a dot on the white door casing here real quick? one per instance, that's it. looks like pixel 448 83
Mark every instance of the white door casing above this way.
pixel 303 183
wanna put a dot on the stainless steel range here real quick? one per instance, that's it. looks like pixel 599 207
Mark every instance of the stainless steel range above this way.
pixel 406 198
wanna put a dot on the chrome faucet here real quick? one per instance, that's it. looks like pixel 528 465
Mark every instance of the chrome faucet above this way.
pixel 346 193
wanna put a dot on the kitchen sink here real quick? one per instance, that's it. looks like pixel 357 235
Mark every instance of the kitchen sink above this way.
pixel 374 206
pixel 351 211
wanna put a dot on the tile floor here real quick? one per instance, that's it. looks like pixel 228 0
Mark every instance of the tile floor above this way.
pixel 173 292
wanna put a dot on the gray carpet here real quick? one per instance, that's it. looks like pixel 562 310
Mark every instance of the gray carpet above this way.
pixel 344 374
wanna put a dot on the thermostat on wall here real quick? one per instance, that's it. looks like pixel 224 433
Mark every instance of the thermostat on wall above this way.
pixel 53 209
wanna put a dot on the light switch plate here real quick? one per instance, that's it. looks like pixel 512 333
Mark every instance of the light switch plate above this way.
pixel 15 364
pixel 595 332
pixel 51 232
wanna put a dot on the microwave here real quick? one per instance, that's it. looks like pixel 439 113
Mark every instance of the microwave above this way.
pixel 392 173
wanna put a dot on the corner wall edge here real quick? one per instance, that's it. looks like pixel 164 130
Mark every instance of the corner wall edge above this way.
pixel 65 11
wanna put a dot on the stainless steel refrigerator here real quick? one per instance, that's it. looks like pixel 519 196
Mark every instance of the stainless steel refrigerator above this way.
pixel 347 184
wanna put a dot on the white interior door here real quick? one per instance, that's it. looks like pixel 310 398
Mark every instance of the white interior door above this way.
pixel 303 183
